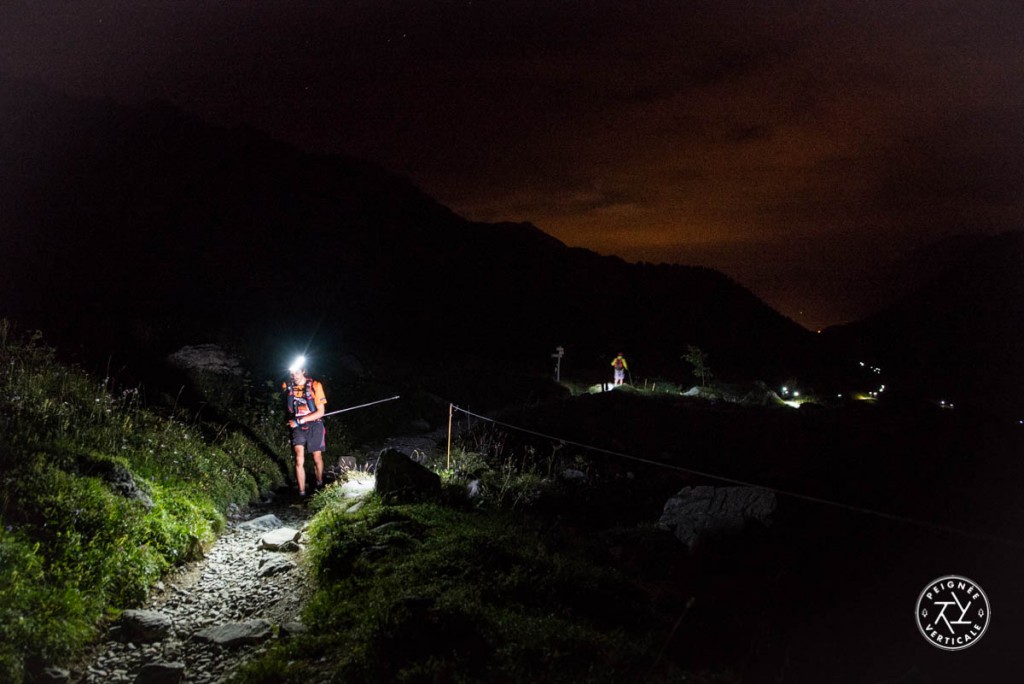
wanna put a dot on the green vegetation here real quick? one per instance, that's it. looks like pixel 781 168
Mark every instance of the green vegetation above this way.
pixel 699 360
pixel 488 589
pixel 99 496
pixel 434 593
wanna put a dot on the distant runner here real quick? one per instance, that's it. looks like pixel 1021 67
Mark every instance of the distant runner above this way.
pixel 619 364
pixel 305 402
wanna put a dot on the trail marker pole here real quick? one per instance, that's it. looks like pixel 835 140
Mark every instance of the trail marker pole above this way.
pixel 559 353
pixel 451 409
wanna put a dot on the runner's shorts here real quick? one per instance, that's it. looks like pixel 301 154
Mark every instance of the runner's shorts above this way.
pixel 311 435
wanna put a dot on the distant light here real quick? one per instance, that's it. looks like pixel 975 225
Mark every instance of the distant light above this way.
pixel 862 364
pixel 298 364
pixel 796 393
pixel 785 390
pixel 839 396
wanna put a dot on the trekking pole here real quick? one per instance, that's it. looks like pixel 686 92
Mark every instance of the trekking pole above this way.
pixel 353 408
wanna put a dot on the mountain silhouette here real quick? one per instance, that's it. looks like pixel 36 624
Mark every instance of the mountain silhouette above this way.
pixel 956 337
pixel 145 228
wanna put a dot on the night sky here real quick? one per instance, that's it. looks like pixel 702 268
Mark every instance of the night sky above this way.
pixel 796 146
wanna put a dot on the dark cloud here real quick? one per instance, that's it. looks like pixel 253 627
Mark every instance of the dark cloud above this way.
pixel 741 133
pixel 970 165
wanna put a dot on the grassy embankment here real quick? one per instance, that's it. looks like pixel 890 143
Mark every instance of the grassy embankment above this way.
pixel 500 588
pixel 99 496
pixel 438 592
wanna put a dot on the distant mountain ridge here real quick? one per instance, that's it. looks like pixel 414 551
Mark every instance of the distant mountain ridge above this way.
pixel 147 228
pixel 957 335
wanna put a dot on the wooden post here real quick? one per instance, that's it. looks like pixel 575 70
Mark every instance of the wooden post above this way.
pixel 451 408
pixel 559 353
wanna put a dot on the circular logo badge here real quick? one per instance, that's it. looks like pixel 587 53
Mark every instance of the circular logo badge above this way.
pixel 953 613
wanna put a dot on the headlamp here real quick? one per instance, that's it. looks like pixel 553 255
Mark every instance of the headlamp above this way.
pixel 298 364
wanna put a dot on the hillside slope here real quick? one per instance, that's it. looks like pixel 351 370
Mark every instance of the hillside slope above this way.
pixel 132 229
pixel 956 337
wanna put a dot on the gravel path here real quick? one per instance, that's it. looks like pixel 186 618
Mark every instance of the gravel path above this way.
pixel 204 620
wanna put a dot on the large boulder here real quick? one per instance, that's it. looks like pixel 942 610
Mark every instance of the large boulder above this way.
pixel 161 673
pixel 699 513
pixel 276 540
pixel 760 394
pixel 236 633
pixel 208 358
pixel 116 476
pixel 414 447
pixel 143 626
pixel 274 565
pixel 264 523
pixel 402 480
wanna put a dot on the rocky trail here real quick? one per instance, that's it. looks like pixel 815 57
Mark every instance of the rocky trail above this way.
pixel 204 620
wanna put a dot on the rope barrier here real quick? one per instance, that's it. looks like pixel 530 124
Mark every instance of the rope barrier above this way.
pixel 796 495
pixel 353 408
